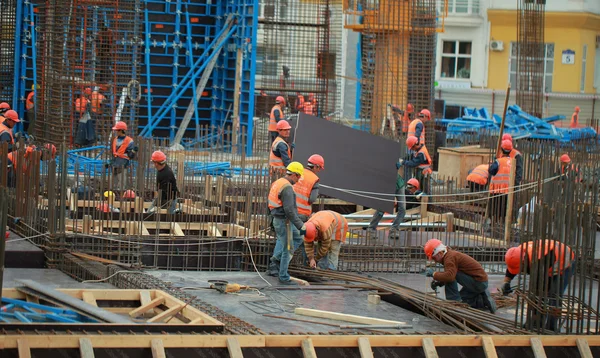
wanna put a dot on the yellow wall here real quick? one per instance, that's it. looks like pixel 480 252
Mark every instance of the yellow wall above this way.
pixel 565 30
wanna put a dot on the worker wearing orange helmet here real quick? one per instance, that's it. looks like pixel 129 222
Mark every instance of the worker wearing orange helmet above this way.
pixel 420 160
pixel 568 169
pixel 280 155
pixel 416 128
pixel 166 184
pixel 307 188
pixel 325 233
pixel 16 166
pixel 11 118
pixel 310 105
pixel 276 116
pixel 517 157
pixel 460 269
pixel 86 125
pixel 406 118
pixel 407 196
pixel 554 263
pixel 500 185
pixel 575 118
pixel 3 108
pixel 123 150
pixel 478 178
pixel 299 105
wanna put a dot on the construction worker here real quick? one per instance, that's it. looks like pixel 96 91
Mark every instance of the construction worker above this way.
pixel 328 229
pixel 123 150
pixel 281 152
pixel 86 127
pixel 166 184
pixel 108 205
pixel 567 169
pixel 554 263
pixel 307 188
pixel 3 108
pixel 460 269
pixel 406 118
pixel 416 128
pixel 15 166
pixel 499 185
pixel 575 118
pixel 299 102
pixel 310 105
pixel 96 104
pixel 51 150
pixel 6 129
pixel 518 157
pixel 404 195
pixel 289 229
pixel 420 161
pixel 478 178
pixel 276 116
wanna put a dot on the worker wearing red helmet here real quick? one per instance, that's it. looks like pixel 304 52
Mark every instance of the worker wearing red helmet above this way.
pixel 281 151
pixel 49 152
pixel 575 118
pixel 417 128
pixel 420 160
pixel 307 188
pixel 478 178
pixel 518 158
pixel 325 233
pixel 407 196
pixel 554 263
pixel 406 118
pixel 123 150
pixel 499 185
pixel 86 125
pixel 276 116
pixel 310 105
pixel 299 105
pixel 460 269
pixel 568 169
pixel 166 185
pixel 11 118
pixel 3 108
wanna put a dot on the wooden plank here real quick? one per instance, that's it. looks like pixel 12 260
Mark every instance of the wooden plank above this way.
pixel 364 347
pixel 429 348
pixel 146 298
pixel 166 314
pixel 344 317
pixel 584 348
pixel 23 348
pixel 88 297
pixel 188 311
pixel 233 347
pixel 158 349
pixel 85 348
pixel 488 347
pixel 308 350
pixel 537 347
pixel 146 307
pixel 176 230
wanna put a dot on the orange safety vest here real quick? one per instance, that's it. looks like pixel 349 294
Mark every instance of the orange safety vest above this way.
pixel 29 100
pixel 564 254
pixel 323 221
pixel 500 181
pixel 97 99
pixel 309 108
pixel 275 193
pixel 4 128
pixel 426 167
pixel 574 120
pixel 302 189
pixel 81 104
pixel 300 102
pixel 275 162
pixel 273 120
pixel 513 154
pixel 412 130
pixel 121 152
pixel 479 175
pixel 406 122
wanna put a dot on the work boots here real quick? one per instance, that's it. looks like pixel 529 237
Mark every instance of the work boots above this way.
pixel 394 233
pixel 488 302
pixel 371 233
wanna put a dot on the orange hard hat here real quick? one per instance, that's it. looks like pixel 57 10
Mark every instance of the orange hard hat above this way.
pixel 120 126
pixel 316 159
pixel 411 141
pixel 425 113
pixel 507 136
pixel 413 182
pixel 513 260
pixel 158 157
pixel 87 91
pixel 577 109
pixel 52 149
pixel 4 106
pixel 129 194
pixel 12 115
pixel 283 125
pixel 430 247
pixel 565 158
pixel 311 232
pixel 410 108
pixel 506 145
pixel 280 99
pixel 29 150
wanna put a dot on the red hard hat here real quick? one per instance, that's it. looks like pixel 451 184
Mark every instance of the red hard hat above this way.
pixel 316 159
pixel 52 149
pixel 120 126
pixel 577 109
pixel 506 145
pixel 283 125
pixel 280 99
pixel 29 150
pixel 4 105
pixel 425 113
pixel 430 246
pixel 12 115
pixel 87 91
pixel 158 157
pixel 129 194
pixel 311 232
pixel 507 136
pixel 565 158
pixel 411 141
pixel 410 108
pixel 414 182
pixel 513 260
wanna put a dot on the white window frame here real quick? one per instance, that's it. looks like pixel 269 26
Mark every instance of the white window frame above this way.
pixel 456 56
pixel 513 57
pixel 452 6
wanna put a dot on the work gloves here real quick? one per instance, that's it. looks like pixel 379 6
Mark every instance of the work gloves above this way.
pixel 400 163
pixel 435 284
pixel 303 230
pixel 429 272
pixel 505 289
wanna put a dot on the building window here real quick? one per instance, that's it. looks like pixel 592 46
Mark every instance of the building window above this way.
pixel 548 66
pixel 456 59
pixel 583 65
pixel 459 6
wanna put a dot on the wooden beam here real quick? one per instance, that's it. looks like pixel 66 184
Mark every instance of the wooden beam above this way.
pixel 364 346
pixel 537 347
pixel 429 348
pixel 233 347
pixel 584 348
pixel 23 348
pixel 146 307
pixel 85 348
pixel 146 298
pixel 168 313
pixel 158 349
pixel 88 297
pixel 308 350
pixel 344 317
pixel 488 347
pixel 509 204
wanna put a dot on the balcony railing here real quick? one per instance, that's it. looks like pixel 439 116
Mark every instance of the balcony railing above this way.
pixel 461 7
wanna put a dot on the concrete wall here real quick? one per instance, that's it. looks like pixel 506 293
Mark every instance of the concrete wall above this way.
pixel 592 6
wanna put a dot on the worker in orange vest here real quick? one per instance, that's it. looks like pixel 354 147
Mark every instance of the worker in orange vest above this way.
pixel 289 229
pixel 276 116
pixel 517 156
pixel 281 151
pixel 554 262
pixel 406 118
pixel 86 128
pixel 575 118
pixel 478 178
pixel 328 229
pixel 420 161
pixel 310 105
pixel 6 129
pixel 299 105
pixel 499 186
pixel 123 149
pixel 416 128
pixel 307 188
pixel 568 169
pixel 96 104
pixel 3 108
pixel 16 166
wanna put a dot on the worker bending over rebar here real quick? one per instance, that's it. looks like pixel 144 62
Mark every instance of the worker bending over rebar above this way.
pixel 166 184
pixel 325 233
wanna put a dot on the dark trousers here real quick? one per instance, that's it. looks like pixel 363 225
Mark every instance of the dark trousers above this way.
pixel 471 291
pixel 476 187
pixel 557 285
pixel 497 207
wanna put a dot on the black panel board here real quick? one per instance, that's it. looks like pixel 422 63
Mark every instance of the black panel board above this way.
pixel 354 160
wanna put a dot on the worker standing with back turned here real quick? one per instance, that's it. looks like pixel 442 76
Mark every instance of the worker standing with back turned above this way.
pixel 123 150
pixel 276 116
pixel 499 186
pixel 417 128
pixel 166 184
pixel 289 229
pixel 307 188
pixel 478 178
pixel 575 118
pixel 518 158
pixel 328 229
pixel 281 151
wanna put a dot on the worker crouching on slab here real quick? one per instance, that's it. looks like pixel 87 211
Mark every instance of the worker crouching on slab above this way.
pixel 460 269
pixel 325 233
pixel 552 263
pixel 166 184
pixel 289 229
pixel 123 151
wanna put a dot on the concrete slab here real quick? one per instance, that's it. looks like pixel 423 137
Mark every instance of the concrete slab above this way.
pixel 50 277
